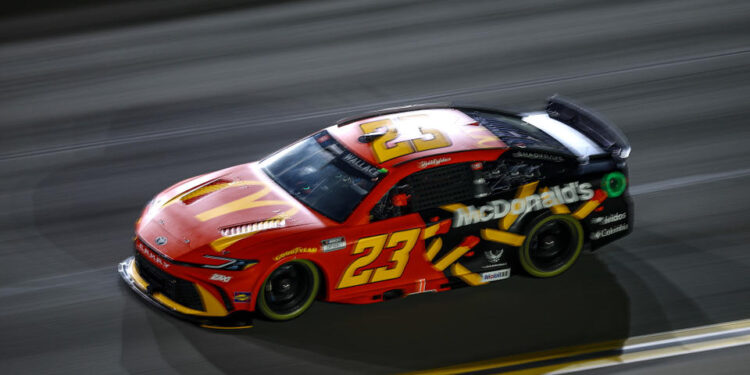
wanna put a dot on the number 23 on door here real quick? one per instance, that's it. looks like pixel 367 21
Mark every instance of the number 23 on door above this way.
pixel 403 242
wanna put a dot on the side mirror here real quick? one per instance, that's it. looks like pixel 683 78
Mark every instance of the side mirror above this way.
pixel 400 200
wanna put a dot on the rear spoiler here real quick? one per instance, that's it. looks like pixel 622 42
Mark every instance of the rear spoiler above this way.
pixel 606 134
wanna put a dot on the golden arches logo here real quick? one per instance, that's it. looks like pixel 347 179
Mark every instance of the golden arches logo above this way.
pixel 245 203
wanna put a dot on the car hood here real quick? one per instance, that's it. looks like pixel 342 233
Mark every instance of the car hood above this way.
pixel 212 213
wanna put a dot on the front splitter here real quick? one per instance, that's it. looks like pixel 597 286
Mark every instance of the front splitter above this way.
pixel 240 320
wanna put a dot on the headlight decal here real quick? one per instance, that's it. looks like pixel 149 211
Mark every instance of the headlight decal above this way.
pixel 230 264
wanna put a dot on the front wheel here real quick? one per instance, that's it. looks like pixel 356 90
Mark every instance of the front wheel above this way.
pixel 289 290
pixel 551 246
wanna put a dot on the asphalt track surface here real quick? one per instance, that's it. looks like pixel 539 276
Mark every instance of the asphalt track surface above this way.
pixel 95 123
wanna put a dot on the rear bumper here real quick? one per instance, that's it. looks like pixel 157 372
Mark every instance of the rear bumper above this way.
pixel 214 315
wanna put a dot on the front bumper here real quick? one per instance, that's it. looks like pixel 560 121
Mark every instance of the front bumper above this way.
pixel 214 315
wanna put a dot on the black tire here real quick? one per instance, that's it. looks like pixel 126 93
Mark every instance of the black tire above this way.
pixel 289 290
pixel 552 245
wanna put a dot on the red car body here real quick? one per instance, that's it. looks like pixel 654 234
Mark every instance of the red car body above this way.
pixel 241 215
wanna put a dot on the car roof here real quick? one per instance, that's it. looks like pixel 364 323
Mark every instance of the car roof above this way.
pixel 413 134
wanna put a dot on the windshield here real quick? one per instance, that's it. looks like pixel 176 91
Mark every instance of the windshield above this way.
pixel 322 174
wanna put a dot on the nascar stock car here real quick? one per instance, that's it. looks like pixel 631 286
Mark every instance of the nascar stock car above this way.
pixel 408 200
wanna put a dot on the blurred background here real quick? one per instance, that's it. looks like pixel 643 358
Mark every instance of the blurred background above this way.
pixel 103 104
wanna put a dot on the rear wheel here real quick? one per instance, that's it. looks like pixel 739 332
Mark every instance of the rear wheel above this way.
pixel 289 290
pixel 552 245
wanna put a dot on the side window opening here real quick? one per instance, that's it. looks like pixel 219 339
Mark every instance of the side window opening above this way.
pixel 428 189
pixel 439 186
pixel 385 209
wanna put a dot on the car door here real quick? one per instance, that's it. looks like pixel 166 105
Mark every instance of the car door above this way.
pixel 380 257
pixel 425 194
pixel 389 253
pixel 453 249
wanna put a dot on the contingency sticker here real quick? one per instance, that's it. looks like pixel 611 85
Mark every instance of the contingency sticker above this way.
pixel 242 296
pixel 333 244
pixel 495 275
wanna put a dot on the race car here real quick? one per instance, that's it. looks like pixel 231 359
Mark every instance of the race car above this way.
pixel 415 199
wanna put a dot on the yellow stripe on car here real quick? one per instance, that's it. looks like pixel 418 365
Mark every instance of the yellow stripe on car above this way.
pixel 222 243
pixel 466 275
pixel 453 207
pixel 586 209
pixel 434 248
pixel 208 188
pixel 451 257
pixel 430 231
pixel 503 237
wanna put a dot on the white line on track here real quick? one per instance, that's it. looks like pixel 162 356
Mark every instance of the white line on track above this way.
pixel 679 182
pixel 648 351
pixel 612 353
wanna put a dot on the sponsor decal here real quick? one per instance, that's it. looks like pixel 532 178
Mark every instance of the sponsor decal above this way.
pixel 604 220
pixel 608 231
pixel 242 296
pixel 495 275
pixel 433 162
pixel 326 141
pixel 494 256
pixel 538 156
pixel 150 255
pixel 497 209
pixel 220 277
pixel 333 244
pixel 360 165
pixel 295 251
pixel 161 240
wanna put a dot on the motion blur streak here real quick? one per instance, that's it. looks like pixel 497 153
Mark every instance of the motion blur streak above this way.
pixel 281 119
pixel 95 122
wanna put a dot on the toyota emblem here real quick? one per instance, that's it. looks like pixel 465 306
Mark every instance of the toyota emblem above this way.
pixel 161 240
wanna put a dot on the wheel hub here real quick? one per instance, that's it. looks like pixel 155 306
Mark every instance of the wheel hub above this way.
pixel 287 287
pixel 551 245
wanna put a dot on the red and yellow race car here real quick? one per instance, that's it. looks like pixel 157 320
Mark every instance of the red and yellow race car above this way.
pixel 402 201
